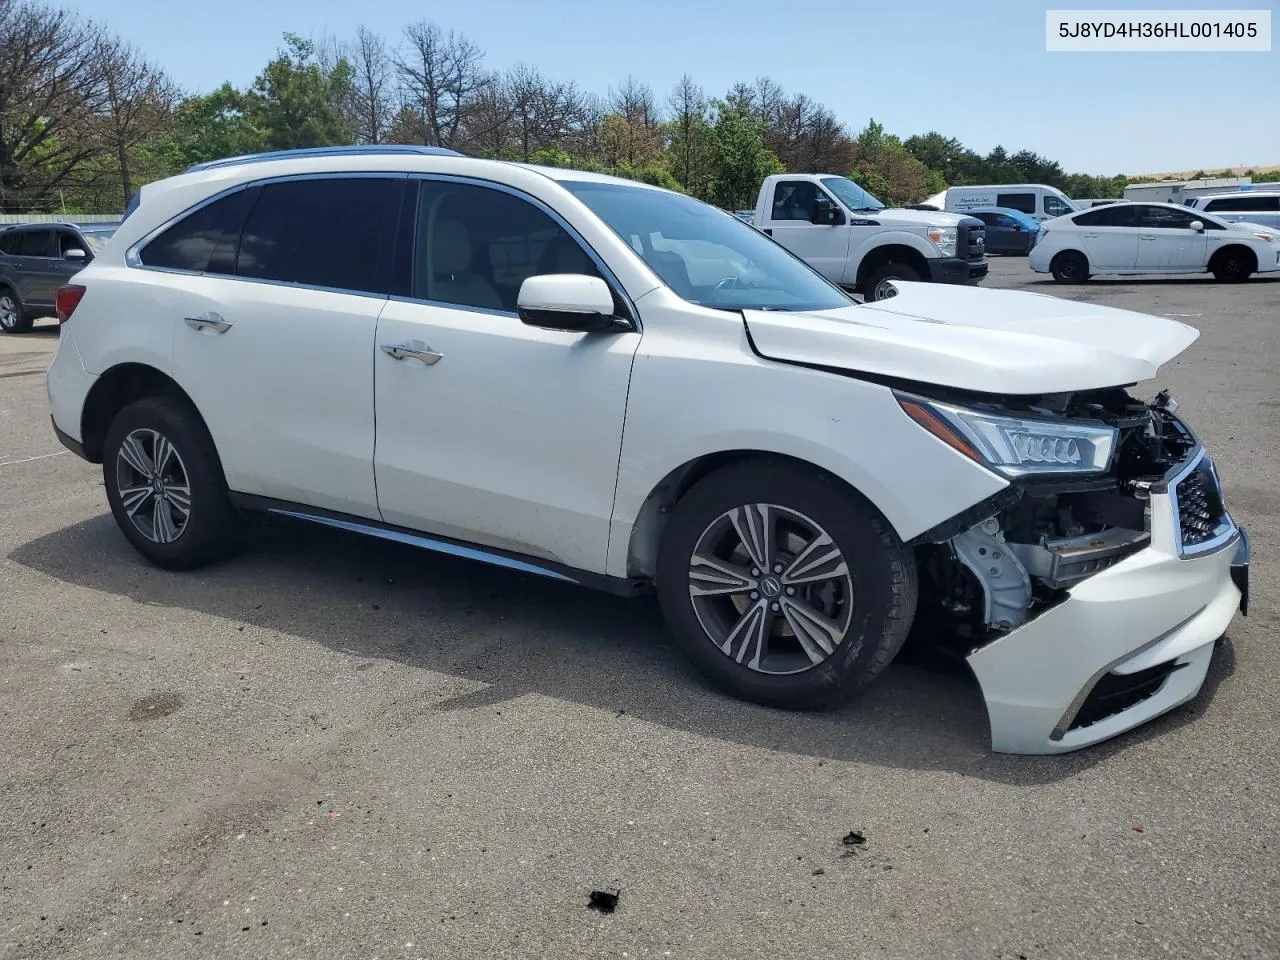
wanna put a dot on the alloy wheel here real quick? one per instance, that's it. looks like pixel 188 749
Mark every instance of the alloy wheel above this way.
pixel 8 312
pixel 152 483
pixel 771 588
pixel 884 289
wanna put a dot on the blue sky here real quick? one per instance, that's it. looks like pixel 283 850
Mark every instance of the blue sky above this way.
pixel 978 70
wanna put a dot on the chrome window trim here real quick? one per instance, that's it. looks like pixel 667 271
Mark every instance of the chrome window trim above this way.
pixel 609 276
pixel 1229 531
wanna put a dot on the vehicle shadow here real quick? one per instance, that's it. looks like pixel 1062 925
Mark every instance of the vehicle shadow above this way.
pixel 1151 280
pixel 519 634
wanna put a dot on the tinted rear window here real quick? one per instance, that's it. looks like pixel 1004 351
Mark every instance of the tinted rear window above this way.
pixel 9 242
pixel 36 243
pixel 1244 204
pixel 327 232
pixel 1025 202
pixel 190 243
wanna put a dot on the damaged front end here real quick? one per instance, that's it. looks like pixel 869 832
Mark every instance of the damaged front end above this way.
pixel 1070 642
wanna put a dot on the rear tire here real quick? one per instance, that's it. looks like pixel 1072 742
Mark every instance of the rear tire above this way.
pixel 176 514
pixel 876 286
pixel 13 318
pixel 1233 265
pixel 1070 267
pixel 826 613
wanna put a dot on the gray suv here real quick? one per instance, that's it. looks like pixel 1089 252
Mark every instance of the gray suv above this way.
pixel 35 260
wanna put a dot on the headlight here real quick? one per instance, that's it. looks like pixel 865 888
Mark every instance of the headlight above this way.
pixel 1016 446
pixel 1265 236
pixel 944 238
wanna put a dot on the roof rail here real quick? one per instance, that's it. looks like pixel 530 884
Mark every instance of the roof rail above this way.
pixel 342 151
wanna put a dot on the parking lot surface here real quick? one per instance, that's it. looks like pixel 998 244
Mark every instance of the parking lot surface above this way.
pixel 335 748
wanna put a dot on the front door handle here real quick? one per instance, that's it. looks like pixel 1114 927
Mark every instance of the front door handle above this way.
pixel 1089 236
pixel 1148 238
pixel 414 350
pixel 209 321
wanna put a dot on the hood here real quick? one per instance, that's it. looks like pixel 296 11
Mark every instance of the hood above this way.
pixel 895 216
pixel 1248 226
pixel 989 341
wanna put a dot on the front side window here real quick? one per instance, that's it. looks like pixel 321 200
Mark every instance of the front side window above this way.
pixel 1054 207
pixel 9 242
pixel 704 255
pixel 794 200
pixel 852 195
pixel 1023 202
pixel 331 232
pixel 1165 218
pixel 190 243
pixel 37 243
pixel 475 246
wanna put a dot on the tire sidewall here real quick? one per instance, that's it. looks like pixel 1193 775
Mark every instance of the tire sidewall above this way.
pixel 1082 268
pixel 207 524
pixel 857 531
pixel 20 321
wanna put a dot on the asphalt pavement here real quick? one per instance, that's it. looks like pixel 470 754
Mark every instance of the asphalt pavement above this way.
pixel 335 748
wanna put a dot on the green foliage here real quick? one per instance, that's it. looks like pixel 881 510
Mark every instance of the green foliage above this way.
pixel 297 103
pixel 740 161
pixel 1271 176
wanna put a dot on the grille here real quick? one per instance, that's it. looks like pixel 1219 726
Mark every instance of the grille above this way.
pixel 1117 692
pixel 972 241
pixel 1202 514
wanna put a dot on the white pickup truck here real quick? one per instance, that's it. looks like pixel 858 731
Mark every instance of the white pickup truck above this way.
pixel 853 240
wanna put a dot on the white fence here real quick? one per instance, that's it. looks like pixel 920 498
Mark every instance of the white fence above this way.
pixel 10 218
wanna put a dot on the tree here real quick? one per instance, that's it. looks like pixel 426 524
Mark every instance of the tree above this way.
pixel 742 161
pixel 691 139
pixel 138 104
pixel 372 100
pixel 441 76
pixel 885 167
pixel 51 90
pixel 295 102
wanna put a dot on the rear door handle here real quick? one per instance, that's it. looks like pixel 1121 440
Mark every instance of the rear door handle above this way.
pixel 209 321
pixel 1148 238
pixel 1089 236
pixel 414 350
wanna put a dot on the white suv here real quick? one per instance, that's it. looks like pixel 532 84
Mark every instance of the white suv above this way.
pixel 1149 238
pixel 601 382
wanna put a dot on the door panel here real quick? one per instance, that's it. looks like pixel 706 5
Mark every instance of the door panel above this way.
pixel 37 279
pixel 823 247
pixel 286 389
pixel 511 439
pixel 1110 248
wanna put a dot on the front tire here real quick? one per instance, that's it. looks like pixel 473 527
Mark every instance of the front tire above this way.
pixel 1233 265
pixel 165 485
pixel 13 318
pixel 879 285
pixel 783 587
pixel 1070 267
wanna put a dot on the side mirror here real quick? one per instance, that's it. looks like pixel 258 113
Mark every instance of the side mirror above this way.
pixel 74 253
pixel 568 301
pixel 1197 226
pixel 825 213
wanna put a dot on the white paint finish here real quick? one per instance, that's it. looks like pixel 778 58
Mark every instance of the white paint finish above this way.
pixel 1141 250
pixel 1030 676
pixel 67 384
pixel 697 388
pixel 974 339
pixel 121 317
pixel 837 251
pixel 287 390
pixel 511 440
pixel 566 293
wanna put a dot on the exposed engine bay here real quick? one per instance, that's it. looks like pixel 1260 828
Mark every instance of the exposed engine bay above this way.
pixel 1008 560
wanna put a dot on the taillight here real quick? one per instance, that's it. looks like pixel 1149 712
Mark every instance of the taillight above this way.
pixel 66 301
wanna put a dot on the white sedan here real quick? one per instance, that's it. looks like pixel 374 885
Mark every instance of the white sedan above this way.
pixel 1151 238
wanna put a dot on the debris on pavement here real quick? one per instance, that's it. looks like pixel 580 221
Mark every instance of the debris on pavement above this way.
pixel 606 900
pixel 853 838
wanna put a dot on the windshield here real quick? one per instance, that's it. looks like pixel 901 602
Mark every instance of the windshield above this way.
pixel 851 195
pixel 706 256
